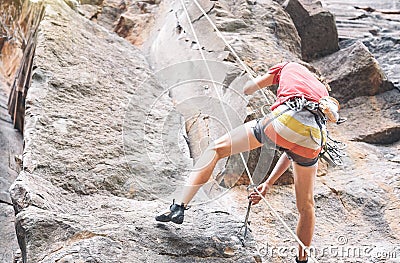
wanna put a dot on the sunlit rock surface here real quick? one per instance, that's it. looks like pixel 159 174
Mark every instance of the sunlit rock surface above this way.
pixel 105 146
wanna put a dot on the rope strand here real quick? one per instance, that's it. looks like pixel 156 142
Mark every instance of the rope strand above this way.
pixel 209 72
pixel 238 59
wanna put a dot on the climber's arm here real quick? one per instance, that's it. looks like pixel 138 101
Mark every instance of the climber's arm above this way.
pixel 281 166
pixel 259 82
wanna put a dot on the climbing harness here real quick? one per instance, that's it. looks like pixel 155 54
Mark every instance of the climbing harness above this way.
pixel 326 109
pixel 302 104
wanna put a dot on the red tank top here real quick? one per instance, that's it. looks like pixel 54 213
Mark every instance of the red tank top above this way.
pixel 296 80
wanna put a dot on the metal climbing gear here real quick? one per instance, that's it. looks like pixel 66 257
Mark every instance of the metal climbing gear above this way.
pixel 333 152
pixel 246 222
pixel 245 225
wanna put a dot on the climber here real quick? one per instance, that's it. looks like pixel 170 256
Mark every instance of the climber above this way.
pixel 296 125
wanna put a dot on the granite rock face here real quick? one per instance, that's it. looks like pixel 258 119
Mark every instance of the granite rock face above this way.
pixel 273 38
pixel 86 158
pixel 10 147
pixel 110 133
pixel 130 19
pixel 353 72
pixel 382 113
pixel 316 27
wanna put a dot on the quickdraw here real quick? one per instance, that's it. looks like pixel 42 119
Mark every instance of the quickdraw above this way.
pixel 333 152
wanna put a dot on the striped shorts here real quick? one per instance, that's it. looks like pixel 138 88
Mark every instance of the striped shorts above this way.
pixel 301 134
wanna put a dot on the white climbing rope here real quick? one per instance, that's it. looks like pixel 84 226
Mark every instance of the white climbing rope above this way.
pixel 246 68
pixel 209 73
pixel 238 59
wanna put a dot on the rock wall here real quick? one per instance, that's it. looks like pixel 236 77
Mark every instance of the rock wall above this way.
pixel 11 35
pixel 10 150
pixel 87 158
pixel 353 72
pixel 316 27
pixel 105 142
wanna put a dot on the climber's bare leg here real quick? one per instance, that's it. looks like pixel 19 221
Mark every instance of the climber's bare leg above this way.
pixel 238 140
pixel 304 180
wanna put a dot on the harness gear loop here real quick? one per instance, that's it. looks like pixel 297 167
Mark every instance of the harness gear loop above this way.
pixel 264 113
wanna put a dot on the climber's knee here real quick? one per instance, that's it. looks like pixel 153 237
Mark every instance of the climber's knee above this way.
pixel 306 207
pixel 221 147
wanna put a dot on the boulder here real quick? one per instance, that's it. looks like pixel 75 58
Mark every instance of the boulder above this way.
pixel 316 27
pixel 131 20
pixel 376 26
pixel 132 27
pixel 372 119
pixel 353 72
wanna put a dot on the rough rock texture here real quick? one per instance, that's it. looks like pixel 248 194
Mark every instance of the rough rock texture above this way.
pixel 10 146
pixel 383 115
pixel 130 19
pixel 353 72
pixel 316 27
pixel 70 197
pixel 350 200
pixel 10 139
pixel 256 35
pixel 94 177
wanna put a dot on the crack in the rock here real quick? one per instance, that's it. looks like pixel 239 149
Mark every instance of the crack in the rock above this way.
pixel 5 202
pixel 195 120
pixel 98 12
pixel 205 119
pixel 220 212
pixel 5 120
pixel 202 15
pixel 359 17
pixel 337 193
pixel 179 30
pixel 187 132
pixel 371 10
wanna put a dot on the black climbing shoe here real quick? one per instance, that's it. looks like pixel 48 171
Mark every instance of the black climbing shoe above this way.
pixel 176 214
pixel 301 261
